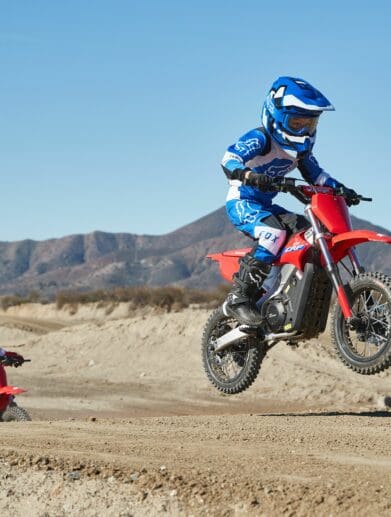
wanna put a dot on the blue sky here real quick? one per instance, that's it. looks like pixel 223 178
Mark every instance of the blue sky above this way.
pixel 115 114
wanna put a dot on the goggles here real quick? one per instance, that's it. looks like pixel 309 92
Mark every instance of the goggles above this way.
pixel 298 125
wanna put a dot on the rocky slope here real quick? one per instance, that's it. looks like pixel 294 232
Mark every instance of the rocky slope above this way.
pixel 104 260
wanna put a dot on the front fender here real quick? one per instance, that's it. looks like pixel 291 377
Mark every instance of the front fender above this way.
pixel 11 390
pixel 340 244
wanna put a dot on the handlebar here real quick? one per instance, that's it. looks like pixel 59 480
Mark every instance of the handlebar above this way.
pixel 302 192
pixel 9 360
pixel 289 185
pixel 362 198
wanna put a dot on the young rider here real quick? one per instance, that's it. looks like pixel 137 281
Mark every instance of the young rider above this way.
pixel 253 164
pixel 10 358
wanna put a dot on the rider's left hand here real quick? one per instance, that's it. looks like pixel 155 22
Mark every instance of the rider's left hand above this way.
pixel 350 195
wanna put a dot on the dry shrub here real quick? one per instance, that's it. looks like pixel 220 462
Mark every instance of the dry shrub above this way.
pixel 208 299
pixel 15 299
pixel 139 296
pixel 10 301
pixel 34 297
pixel 167 298
pixel 68 298
pixel 73 308
pixel 110 308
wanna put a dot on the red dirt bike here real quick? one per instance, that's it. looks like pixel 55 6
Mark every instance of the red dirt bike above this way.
pixel 296 297
pixel 9 410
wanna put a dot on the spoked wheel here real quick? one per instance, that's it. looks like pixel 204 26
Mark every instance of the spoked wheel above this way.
pixel 234 369
pixel 367 348
pixel 15 413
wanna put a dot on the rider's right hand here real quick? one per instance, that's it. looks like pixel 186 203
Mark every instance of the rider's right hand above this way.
pixel 260 181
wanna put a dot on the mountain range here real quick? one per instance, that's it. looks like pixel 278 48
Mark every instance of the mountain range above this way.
pixel 104 260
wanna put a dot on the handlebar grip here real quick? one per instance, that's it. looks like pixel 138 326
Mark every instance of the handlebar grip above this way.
pixel 365 198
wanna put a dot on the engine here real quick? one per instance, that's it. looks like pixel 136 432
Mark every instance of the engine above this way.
pixel 275 314
pixel 301 301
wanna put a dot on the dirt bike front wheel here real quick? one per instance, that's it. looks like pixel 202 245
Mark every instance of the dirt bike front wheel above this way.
pixel 15 413
pixel 366 349
pixel 234 369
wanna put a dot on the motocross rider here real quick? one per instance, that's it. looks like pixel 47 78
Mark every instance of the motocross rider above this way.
pixel 253 164
pixel 10 358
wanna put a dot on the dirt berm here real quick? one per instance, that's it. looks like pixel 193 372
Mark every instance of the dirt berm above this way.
pixel 125 423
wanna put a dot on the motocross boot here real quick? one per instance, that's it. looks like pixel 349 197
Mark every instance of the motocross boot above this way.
pixel 241 301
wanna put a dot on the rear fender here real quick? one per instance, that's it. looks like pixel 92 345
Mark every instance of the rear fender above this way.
pixel 341 244
pixel 229 261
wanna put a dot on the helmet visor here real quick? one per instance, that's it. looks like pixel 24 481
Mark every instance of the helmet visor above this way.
pixel 301 125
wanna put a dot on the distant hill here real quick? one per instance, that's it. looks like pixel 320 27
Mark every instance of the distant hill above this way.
pixel 103 260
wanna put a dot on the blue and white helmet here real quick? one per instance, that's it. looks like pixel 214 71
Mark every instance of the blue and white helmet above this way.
pixel 291 111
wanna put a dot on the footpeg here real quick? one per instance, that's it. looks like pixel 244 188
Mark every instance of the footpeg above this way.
pixel 248 329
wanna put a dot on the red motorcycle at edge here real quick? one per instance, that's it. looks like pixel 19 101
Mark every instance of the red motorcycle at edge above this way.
pixel 9 409
pixel 296 297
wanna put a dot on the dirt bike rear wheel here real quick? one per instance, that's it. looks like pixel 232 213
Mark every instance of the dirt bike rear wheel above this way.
pixel 15 413
pixel 234 369
pixel 366 350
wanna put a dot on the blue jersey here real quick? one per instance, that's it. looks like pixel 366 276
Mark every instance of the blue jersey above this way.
pixel 259 152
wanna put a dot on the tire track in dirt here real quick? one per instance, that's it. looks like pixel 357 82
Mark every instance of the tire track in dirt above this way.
pixel 300 464
pixel 31 325
pixel 314 443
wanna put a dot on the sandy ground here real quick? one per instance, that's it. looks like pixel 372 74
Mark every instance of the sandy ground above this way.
pixel 126 423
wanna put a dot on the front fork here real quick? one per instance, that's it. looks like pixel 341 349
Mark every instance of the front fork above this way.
pixel 357 267
pixel 331 267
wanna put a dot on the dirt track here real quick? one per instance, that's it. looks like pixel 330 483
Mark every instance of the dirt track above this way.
pixel 309 438
pixel 293 464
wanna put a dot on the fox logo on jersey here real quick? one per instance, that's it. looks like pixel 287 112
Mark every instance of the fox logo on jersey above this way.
pixel 275 168
pixel 247 147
